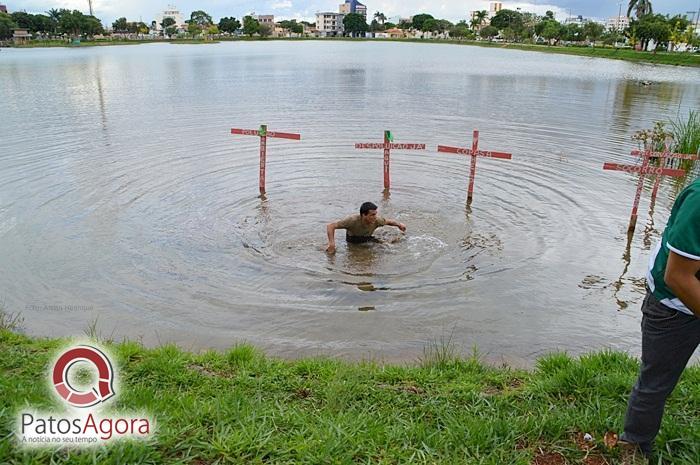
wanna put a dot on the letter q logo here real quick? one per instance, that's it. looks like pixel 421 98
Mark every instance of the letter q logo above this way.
pixel 75 397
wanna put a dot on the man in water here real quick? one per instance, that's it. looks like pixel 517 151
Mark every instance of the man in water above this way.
pixel 359 228
pixel 670 320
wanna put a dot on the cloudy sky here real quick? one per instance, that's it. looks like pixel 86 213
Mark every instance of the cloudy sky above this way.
pixel 454 10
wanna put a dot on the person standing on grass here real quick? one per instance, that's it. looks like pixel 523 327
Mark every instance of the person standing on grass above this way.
pixel 670 320
pixel 359 228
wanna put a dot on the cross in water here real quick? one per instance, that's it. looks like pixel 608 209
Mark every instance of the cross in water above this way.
pixel 263 133
pixel 643 170
pixel 663 157
pixel 474 153
pixel 387 146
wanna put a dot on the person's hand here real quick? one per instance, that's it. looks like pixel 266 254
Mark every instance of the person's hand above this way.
pixel 330 248
pixel 402 227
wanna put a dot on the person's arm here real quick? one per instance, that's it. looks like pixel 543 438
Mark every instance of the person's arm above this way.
pixel 682 278
pixel 330 230
pixel 401 226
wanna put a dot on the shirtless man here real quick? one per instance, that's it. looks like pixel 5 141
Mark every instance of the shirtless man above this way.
pixel 359 227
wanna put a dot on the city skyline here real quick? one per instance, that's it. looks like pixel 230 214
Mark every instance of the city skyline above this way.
pixel 453 10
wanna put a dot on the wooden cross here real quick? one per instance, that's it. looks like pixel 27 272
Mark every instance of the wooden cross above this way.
pixel 663 156
pixel 263 133
pixel 387 146
pixel 474 153
pixel 643 170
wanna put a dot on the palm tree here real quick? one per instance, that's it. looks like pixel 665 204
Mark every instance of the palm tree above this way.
pixel 380 17
pixel 54 15
pixel 478 19
pixel 640 7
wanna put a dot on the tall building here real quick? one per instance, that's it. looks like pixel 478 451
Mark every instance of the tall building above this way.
pixel 170 12
pixel 353 6
pixel 494 8
pixel 329 24
pixel 617 23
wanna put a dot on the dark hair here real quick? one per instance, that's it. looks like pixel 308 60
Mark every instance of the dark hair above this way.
pixel 367 207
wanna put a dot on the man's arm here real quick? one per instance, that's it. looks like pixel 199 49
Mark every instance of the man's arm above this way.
pixel 682 278
pixel 330 230
pixel 401 226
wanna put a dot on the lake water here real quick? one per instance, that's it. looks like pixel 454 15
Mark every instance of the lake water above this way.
pixel 124 197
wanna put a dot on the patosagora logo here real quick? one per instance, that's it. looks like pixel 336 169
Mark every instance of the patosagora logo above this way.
pixel 83 377
pixel 104 389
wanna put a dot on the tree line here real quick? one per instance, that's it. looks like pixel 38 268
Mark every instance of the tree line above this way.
pixel 508 25
pixel 54 22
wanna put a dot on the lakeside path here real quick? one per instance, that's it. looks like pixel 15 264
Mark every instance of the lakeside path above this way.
pixel 659 58
pixel 241 406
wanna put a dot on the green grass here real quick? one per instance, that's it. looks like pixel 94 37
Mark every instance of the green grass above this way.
pixel 241 406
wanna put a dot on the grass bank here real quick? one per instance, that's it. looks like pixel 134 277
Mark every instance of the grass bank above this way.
pixel 660 58
pixel 240 406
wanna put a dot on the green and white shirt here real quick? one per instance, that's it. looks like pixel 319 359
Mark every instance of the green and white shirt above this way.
pixel 682 235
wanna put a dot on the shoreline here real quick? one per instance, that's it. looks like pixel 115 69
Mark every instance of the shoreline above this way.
pixel 683 59
pixel 242 406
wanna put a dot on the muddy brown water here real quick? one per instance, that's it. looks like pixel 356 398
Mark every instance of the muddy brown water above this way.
pixel 124 197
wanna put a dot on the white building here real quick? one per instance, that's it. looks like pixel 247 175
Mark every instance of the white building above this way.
pixel 329 24
pixel 494 8
pixel 352 6
pixel 266 19
pixel 617 23
pixel 170 12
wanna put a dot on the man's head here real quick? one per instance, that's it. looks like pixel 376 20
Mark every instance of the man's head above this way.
pixel 368 212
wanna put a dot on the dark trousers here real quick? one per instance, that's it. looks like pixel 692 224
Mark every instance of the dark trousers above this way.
pixel 669 338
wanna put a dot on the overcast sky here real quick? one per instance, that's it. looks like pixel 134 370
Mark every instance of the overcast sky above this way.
pixel 454 10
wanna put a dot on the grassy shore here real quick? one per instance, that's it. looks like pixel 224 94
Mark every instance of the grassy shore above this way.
pixel 661 58
pixel 240 406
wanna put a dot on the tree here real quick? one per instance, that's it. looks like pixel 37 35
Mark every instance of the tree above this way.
pixel 120 25
pixel 640 7
pixel 552 31
pixel 213 30
pixel 6 26
pixel 355 23
pixel 71 22
pixel 480 17
pixel 379 17
pixel 507 18
pixel 488 32
pixel 292 26
pixel 429 25
pixel 572 33
pixel 229 25
pixel 593 31
pixel 461 31
pixel 651 27
pixel 200 18
pixel 251 26
pixel 265 30
pixel 418 21
pixel 91 26
pixel 193 29
pixel 375 26
pixel 168 25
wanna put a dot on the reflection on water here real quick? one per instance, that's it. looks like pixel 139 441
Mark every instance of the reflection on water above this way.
pixel 121 191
